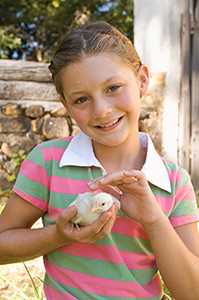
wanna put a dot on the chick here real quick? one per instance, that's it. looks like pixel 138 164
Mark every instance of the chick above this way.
pixel 90 206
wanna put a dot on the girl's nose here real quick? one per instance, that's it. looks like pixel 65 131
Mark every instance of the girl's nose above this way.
pixel 101 107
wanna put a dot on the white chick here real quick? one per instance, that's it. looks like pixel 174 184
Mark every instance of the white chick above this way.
pixel 90 206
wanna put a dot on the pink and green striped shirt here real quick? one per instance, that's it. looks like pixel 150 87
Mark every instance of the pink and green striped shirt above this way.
pixel 122 265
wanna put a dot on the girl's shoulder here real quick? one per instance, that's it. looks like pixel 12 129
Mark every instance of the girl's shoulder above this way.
pixel 57 143
pixel 178 175
pixel 49 150
pixel 169 164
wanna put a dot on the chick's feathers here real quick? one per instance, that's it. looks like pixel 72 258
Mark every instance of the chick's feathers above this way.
pixel 90 206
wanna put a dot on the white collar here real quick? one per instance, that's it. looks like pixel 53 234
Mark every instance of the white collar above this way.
pixel 80 153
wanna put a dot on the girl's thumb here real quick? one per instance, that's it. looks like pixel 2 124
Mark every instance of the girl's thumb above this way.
pixel 68 214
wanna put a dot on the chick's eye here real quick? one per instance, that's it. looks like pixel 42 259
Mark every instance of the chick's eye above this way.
pixel 103 203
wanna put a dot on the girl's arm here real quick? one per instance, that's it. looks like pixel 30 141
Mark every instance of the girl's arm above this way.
pixel 177 257
pixel 176 250
pixel 18 242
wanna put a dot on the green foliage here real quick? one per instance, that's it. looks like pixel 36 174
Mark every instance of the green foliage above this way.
pixel 165 290
pixel 15 161
pixel 8 41
pixel 38 295
pixel 18 157
pixel 167 293
pixel 45 21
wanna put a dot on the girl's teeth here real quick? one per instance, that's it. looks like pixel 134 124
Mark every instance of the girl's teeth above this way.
pixel 109 125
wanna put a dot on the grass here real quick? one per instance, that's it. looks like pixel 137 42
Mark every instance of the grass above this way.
pixel 37 290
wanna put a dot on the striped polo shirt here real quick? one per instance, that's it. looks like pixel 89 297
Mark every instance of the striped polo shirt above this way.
pixel 121 265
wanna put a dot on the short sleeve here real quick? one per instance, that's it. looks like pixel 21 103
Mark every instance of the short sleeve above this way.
pixel 32 181
pixel 185 209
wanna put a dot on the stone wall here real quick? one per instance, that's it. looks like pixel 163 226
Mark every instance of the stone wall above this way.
pixel 30 112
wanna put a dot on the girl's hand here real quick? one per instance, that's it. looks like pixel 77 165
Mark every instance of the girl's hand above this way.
pixel 137 199
pixel 85 234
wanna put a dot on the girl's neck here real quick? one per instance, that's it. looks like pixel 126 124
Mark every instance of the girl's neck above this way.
pixel 129 155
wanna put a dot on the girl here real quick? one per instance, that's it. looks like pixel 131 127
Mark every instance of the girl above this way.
pixel 100 79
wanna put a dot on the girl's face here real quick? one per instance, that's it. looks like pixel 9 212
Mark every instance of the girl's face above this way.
pixel 103 96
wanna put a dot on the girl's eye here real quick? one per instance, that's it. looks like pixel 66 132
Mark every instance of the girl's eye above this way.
pixel 113 88
pixel 81 100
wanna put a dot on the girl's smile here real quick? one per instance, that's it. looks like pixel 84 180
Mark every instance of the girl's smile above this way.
pixel 108 126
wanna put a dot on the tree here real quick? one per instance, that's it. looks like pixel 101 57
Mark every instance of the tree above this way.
pixel 33 28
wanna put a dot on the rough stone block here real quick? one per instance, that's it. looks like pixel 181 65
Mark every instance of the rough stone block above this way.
pixel 34 111
pixel 55 128
pixel 12 109
pixel 27 90
pixel 14 125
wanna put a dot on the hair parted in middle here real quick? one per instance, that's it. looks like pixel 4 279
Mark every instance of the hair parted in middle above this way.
pixel 91 39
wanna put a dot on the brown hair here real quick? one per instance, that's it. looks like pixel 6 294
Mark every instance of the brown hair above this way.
pixel 89 39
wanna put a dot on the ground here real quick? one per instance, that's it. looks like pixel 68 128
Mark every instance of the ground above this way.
pixel 16 284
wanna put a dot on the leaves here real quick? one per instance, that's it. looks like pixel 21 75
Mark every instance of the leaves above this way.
pixel 38 25
pixel 8 41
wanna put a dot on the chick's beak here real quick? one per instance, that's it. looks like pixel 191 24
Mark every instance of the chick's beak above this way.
pixel 95 209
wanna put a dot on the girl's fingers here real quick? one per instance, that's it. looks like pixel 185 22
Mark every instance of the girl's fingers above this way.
pixel 106 229
pixel 135 174
pixel 90 231
pixel 67 216
pixel 119 178
pixel 100 227
pixel 129 179
pixel 113 190
pixel 110 179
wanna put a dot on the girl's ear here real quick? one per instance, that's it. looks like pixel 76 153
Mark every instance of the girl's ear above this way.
pixel 143 77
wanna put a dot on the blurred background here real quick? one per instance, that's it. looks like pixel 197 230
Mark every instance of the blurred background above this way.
pixel 30 30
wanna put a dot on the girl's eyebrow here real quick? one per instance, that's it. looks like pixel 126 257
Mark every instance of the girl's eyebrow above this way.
pixel 73 93
pixel 111 79
pixel 76 92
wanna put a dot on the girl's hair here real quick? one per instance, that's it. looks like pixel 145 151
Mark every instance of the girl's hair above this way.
pixel 89 39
